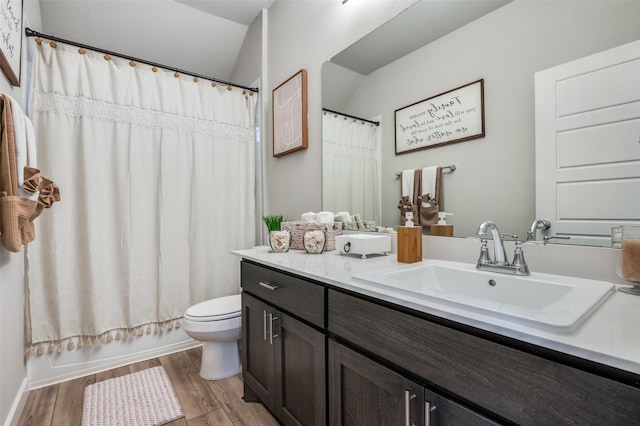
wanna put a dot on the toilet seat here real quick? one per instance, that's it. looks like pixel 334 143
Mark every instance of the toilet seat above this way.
pixel 218 309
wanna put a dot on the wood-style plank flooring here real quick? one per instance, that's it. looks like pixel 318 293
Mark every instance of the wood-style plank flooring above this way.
pixel 204 402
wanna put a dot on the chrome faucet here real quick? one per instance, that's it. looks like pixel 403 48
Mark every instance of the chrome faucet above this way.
pixel 500 262
pixel 542 224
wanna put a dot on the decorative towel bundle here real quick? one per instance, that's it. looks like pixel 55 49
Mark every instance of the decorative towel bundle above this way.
pixel 24 194
pixel 421 195
pixel 430 200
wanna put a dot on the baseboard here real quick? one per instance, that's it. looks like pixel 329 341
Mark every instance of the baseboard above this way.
pixel 18 404
pixel 121 361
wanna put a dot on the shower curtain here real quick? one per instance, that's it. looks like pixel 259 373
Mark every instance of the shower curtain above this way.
pixel 350 167
pixel 156 174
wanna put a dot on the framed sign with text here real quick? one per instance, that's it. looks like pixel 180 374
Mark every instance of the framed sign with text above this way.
pixel 11 40
pixel 453 116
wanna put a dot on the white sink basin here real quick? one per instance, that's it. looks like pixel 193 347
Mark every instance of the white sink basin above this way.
pixel 539 299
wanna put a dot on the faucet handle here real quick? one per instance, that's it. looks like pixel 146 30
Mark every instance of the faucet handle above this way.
pixel 514 237
pixel 519 263
pixel 484 253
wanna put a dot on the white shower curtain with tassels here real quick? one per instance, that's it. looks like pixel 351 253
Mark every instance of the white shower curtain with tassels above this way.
pixel 350 167
pixel 156 175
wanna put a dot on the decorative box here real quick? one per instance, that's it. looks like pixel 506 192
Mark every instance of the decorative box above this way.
pixel 364 244
pixel 298 229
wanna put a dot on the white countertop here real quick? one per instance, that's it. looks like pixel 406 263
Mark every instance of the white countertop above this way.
pixel 609 336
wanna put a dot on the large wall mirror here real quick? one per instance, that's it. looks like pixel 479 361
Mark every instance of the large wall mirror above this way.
pixel 436 46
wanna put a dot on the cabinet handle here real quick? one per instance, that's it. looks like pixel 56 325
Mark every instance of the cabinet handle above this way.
pixel 407 407
pixel 427 413
pixel 271 335
pixel 268 286
pixel 264 325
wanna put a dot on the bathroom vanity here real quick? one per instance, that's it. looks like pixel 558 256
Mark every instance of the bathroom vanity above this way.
pixel 322 347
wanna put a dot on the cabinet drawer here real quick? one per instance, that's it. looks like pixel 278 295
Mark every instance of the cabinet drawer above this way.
pixel 516 385
pixel 289 293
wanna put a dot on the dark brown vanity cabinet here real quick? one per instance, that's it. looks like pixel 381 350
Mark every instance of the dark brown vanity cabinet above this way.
pixel 513 384
pixel 378 363
pixel 283 356
pixel 363 392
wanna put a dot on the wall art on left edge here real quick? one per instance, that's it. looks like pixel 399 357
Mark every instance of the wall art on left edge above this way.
pixel 11 39
pixel 289 108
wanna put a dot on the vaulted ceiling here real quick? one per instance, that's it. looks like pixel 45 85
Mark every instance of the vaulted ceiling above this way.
pixel 202 36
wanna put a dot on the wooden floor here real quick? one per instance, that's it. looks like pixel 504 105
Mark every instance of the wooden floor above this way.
pixel 203 402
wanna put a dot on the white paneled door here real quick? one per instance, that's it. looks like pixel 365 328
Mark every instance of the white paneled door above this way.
pixel 588 145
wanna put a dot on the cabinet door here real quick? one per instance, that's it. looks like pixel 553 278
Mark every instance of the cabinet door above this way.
pixel 257 351
pixel 363 392
pixel 299 372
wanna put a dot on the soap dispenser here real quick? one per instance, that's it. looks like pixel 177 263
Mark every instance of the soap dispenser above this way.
pixel 442 229
pixel 409 241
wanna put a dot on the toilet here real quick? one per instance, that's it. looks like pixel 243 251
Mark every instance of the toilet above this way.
pixel 217 324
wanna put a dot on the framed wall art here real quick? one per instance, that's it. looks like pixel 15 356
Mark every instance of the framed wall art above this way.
pixel 453 116
pixel 11 39
pixel 289 109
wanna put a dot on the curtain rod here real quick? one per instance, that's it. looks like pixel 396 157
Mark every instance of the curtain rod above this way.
pixel 377 123
pixel 31 33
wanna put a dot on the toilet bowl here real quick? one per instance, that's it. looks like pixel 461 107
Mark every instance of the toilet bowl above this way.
pixel 217 324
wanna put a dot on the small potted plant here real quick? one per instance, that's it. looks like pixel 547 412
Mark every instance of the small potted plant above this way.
pixel 279 240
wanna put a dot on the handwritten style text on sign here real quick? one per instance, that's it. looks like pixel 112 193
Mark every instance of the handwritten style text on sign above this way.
pixel 449 117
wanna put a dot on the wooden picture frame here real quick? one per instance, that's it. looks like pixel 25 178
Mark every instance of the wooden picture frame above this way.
pixel 453 116
pixel 11 39
pixel 289 109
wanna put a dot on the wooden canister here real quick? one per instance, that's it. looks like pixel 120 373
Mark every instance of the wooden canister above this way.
pixel 442 230
pixel 409 244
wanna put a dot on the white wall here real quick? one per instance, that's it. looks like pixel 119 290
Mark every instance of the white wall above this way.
pixel 495 176
pixel 304 34
pixel 13 371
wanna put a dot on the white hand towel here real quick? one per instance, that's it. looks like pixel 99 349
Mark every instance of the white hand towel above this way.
pixel 32 157
pixel 22 147
pixel 429 176
pixel 407 184
pixel 19 130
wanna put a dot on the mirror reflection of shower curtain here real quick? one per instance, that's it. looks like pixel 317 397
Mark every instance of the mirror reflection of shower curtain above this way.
pixel 350 167
pixel 157 178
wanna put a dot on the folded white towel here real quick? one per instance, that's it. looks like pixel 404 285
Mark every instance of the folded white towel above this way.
pixel 325 217
pixel 429 175
pixel 309 217
pixel 342 217
pixel 407 183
